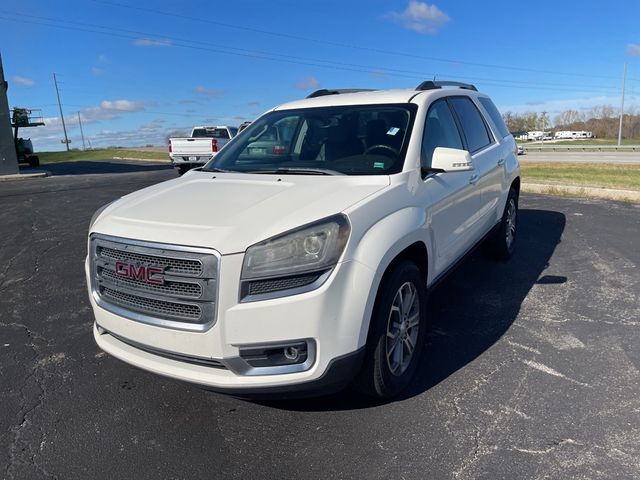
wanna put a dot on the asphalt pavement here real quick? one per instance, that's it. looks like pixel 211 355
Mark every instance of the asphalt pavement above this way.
pixel 531 368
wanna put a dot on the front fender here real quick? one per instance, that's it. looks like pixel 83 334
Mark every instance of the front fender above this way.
pixel 381 244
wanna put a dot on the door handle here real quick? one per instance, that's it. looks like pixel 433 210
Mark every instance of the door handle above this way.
pixel 501 162
pixel 473 179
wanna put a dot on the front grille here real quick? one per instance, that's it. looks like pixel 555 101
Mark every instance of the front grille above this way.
pixel 171 265
pixel 148 305
pixel 175 289
pixel 180 293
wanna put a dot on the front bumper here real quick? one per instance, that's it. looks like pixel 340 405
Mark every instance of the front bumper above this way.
pixel 330 318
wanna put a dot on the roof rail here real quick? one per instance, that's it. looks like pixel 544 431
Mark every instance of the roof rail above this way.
pixel 432 85
pixel 323 91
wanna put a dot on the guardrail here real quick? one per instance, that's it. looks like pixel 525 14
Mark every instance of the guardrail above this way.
pixel 580 148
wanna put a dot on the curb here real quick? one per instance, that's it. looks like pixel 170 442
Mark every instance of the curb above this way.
pixel 23 176
pixel 157 160
pixel 583 191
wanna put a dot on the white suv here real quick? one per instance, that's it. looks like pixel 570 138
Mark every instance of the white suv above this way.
pixel 304 261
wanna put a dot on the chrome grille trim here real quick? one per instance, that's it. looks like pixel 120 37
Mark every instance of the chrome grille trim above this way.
pixel 185 300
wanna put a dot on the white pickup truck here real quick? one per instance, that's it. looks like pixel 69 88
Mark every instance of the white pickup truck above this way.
pixel 200 147
pixel 304 259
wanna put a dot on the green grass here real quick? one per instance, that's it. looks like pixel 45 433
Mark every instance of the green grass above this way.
pixel 99 154
pixel 626 177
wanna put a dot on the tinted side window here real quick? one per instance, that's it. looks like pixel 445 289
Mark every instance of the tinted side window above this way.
pixel 495 116
pixel 472 123
pixel 440 131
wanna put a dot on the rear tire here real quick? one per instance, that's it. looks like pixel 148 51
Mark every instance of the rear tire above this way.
pixel 503 243
pixel 396 333
pixel 182 169
pixel 34 161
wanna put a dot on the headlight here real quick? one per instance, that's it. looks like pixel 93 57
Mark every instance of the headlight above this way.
pixel 98 212
pixel 294 260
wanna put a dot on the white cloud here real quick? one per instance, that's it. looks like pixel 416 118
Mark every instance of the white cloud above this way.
pixel 380 74
pixel 122 105
pixel 633 49
pixel 307 83
pixel 152 42
pixel 97 71
pixel 208 92
pixel 152 126
pixel 420 17
pixel 24 81
pixel 103 59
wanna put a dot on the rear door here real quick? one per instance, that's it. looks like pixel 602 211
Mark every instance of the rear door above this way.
pixel 506 150
pixel 454 198
pixel 485 152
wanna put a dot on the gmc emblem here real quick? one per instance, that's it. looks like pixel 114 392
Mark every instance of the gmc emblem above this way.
pixel 143 273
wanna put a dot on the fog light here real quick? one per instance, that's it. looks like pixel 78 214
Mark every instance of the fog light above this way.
pixel 291 353
pixel 275 355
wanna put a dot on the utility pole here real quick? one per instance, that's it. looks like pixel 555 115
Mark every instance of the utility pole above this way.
pixel 544 121
pixel 8 160
pixel 64 127
pixel 81 132
pixel 624 82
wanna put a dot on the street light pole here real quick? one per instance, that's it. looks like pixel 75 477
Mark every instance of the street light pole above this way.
pixel 624 82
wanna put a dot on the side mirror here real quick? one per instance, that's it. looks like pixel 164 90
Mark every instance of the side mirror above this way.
pixel 451 160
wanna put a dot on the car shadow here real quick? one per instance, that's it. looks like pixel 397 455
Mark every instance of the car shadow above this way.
pixel 469 311
pixel 85 167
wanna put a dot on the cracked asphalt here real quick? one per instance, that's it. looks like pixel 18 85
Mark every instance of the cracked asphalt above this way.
pixel 531 370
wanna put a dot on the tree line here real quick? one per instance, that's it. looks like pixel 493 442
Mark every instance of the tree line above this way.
pixel 602 120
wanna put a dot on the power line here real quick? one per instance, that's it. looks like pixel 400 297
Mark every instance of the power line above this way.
pixel 346 45
pixel 341 65
pixel 219 49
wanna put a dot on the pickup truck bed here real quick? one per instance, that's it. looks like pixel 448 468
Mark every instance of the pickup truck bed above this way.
pixel 196 150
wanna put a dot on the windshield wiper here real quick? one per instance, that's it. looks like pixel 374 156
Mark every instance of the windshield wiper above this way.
pixel 299 171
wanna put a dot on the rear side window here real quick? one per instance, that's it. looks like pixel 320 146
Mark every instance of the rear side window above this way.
pixel 210 133
pixel 440 131
pixel 473 127
pixel 495 116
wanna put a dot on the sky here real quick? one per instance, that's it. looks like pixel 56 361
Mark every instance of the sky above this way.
pixel 138 72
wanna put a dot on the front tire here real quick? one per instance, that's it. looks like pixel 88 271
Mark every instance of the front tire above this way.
pixel 396 334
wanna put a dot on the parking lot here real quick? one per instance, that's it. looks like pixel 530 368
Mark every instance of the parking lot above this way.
pixel 531 370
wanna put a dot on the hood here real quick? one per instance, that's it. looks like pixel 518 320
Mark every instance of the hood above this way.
pixel 231 211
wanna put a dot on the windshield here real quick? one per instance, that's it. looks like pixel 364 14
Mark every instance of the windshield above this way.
pixel 210 133
pixel 349 140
